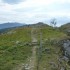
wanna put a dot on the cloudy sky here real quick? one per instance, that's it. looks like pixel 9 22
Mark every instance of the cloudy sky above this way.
pixel 33 11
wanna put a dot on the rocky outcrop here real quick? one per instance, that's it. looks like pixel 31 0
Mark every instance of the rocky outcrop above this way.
pixel 65 45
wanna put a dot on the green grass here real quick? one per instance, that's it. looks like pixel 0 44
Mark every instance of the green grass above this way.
pixel 19 34
pixel 49 33
pixel 50 37
pixel 12 54
pixel 48 57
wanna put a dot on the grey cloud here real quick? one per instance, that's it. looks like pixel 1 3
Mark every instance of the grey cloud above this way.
pixel 12 1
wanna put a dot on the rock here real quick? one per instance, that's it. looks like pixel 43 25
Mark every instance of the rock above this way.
pixel 26 43
pixel 63 68
pixel 66 47
pixel 17 42
pixel 65 58
pixel 47 50
pixel 11 32
pixel 51 63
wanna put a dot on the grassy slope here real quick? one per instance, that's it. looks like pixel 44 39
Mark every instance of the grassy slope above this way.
pixel 49 57
pixel 13 53
pixel 65 27
pixel 48 36
pixel 52 33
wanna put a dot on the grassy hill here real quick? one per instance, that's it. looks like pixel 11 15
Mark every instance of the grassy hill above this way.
pixel 15 46
pixel 50 33
pixel 49 53
pixel 65 28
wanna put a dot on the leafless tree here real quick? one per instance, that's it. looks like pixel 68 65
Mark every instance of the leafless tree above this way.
pixel 53 22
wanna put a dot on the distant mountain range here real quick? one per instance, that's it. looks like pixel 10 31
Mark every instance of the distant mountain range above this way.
pixel 9 25
pixel 64 27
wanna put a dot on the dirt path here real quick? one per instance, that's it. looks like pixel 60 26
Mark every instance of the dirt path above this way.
pixel 30 63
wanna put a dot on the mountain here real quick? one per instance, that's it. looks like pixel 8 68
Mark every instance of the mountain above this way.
pixel 39 24
pixel 9 25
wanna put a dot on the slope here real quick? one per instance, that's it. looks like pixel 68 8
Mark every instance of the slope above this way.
pixel 17 50
pixel 14 48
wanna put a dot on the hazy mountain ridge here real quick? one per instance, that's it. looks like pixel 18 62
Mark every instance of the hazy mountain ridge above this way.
pixel 9 25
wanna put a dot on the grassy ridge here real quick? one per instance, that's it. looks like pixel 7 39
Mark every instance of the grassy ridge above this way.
pixel 48 57
pixel 49 33
pixel 12 49
pixel 50 50
pixel 21 34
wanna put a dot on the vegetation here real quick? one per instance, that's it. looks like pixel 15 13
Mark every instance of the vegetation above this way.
pixel 13 48
pixel 65 28
pixel 50 53
pixel 16 47
pixel 50 33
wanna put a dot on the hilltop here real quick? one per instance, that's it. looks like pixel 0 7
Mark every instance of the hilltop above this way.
pixel 39 24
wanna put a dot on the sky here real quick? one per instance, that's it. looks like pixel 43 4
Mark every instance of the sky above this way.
pixel 33 11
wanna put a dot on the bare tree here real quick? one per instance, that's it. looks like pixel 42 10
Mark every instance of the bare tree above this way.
pixel 53 22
